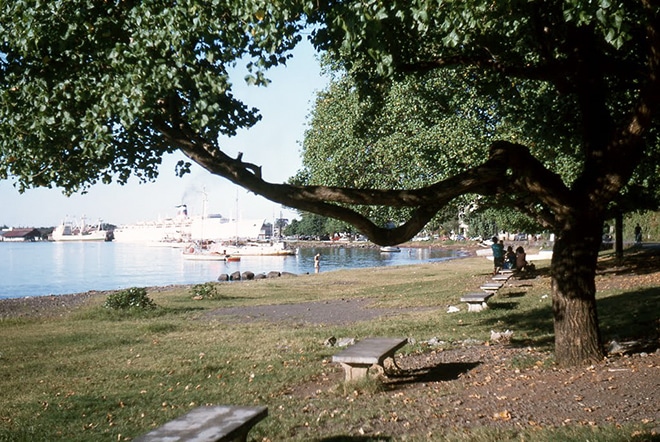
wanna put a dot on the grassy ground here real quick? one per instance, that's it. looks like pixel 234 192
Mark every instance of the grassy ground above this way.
pixel 97 374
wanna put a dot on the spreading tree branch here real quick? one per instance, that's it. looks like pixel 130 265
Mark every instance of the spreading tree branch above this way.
pixel 334 202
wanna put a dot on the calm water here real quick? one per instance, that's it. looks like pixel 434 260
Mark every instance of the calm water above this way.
pixel 45 268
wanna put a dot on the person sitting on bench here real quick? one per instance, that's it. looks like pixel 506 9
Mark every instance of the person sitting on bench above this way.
pixel 521 259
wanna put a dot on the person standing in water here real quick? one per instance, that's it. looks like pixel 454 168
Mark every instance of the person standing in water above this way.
pixel 317 263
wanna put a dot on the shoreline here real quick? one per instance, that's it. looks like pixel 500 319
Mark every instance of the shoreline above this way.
pixel 58 305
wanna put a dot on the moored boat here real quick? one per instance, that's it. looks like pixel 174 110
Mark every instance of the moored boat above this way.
pixel 197 252
pixel 223 252
pixel 277 248
pixel 207 256
pixel 71 231
pixel 390 249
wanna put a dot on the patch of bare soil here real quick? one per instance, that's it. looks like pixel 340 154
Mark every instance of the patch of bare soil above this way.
pixel 45 306
pixel 498 386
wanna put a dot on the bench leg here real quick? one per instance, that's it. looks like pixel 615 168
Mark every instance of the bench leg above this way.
pixel 355 372
pixel 477 307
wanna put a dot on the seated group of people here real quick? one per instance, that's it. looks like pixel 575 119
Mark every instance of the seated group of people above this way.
pixel 508 260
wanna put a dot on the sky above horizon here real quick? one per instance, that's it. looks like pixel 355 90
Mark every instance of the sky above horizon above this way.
pixel 274 143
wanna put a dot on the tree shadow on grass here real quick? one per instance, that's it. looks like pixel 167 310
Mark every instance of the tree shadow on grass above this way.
pixel 499 305
pixel 631 316
pixel 449 371
pixel 641 260
pixel 628 316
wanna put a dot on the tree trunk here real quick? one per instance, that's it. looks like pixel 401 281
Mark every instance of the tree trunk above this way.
pixel 618 235
pixel 573 272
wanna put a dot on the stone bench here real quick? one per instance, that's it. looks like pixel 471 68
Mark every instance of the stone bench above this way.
pixel 358 358
pixel 501 277
pixel 477 302
pixel 491 286
pixel 221 423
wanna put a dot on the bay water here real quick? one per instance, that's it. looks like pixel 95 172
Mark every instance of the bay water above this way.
pixel 55 268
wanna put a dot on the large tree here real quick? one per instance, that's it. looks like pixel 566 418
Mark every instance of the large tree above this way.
pixel 416 131
pixel 95 90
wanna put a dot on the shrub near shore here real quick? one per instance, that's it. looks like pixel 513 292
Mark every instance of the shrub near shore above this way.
pixel 92 374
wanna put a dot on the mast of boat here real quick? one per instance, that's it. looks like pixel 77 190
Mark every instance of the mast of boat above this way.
pixel 236 218
pixel 204 199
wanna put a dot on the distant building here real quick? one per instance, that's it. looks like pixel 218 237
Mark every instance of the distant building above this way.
pixel 20 235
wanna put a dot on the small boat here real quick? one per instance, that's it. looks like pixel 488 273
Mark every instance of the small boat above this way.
pixel 203 256
pixel 196 253
pixel 258 249
pixel 390 249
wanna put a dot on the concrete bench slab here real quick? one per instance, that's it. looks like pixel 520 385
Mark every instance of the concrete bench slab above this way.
pixel 358 358
pixel 501 277
pixel 476 302
pixel 221 423
pixel 491 286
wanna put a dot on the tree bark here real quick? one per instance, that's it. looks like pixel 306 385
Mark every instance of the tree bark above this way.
pixel 618 235
pixel 573 271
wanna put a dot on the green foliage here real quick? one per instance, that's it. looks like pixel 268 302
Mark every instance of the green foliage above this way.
pixel 85 85
pixel 129 299
pixel 309 224
pixel 207 290
pixel 86 97
pixel 488 221
pixel 648 221
pixel 420 129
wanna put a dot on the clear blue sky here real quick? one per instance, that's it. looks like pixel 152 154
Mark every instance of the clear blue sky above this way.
pixel 274 143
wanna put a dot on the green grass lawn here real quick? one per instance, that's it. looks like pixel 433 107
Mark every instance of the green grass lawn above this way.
pixel 98 374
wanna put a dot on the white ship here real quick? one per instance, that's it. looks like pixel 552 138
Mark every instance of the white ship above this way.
pixel 71 231
pixel 166 231
pixel 183 229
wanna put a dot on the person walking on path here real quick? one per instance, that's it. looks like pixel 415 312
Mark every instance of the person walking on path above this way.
pixel 638 234
pixel 498 254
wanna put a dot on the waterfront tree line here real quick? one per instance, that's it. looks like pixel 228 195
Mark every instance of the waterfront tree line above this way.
pixel 484 225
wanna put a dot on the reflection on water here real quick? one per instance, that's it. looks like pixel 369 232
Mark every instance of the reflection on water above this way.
pixel 36 269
